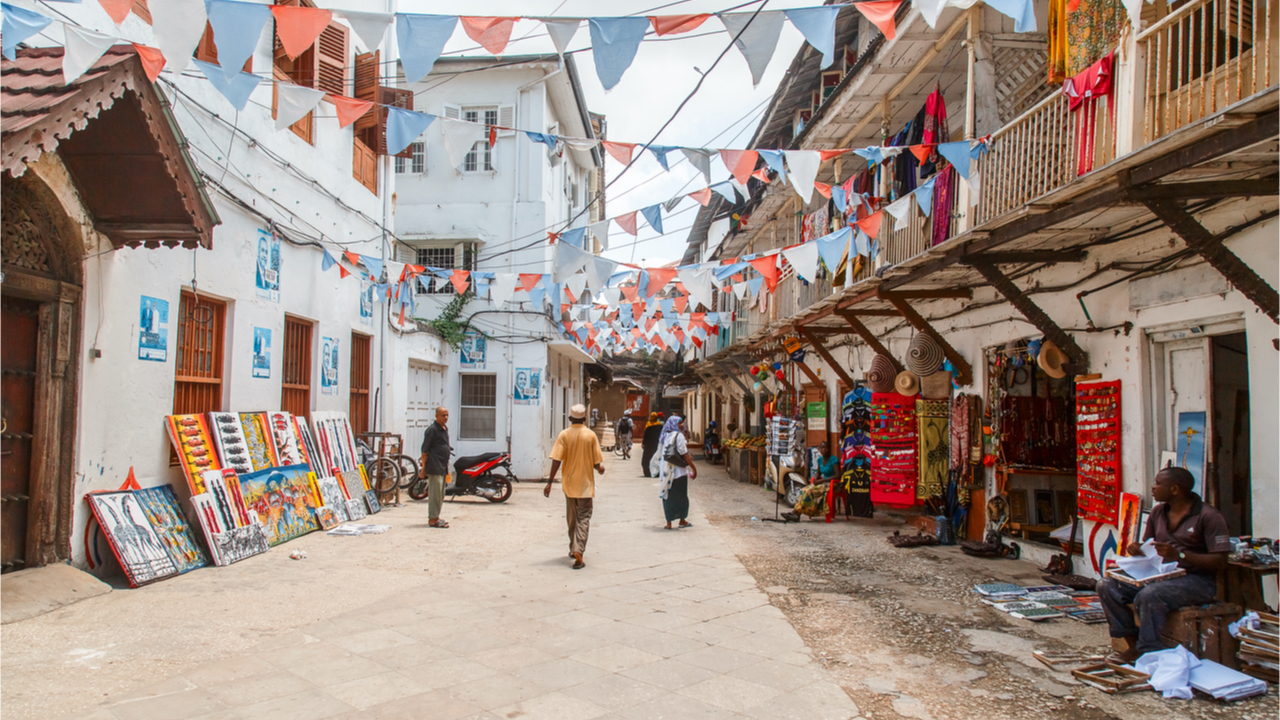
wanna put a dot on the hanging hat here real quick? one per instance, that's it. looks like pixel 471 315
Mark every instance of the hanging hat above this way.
pixel 936 386
pixel 880 376
pixel 907 383
pixel 1052 360
pixel 924 357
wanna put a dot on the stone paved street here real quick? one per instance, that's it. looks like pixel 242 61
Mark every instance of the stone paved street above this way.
pixel 661 624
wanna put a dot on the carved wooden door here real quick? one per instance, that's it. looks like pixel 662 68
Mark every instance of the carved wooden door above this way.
pixel 20 323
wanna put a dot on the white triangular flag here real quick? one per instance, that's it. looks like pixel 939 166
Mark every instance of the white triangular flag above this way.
pixel 804 259
pixel 561 32
pixel 83 49
pixel 460 137
pixel 177 26
pixel 502 287
pixel 575 285
pixel 600 231
pixel 293 102
pixel 803 166
pixel 698 285
pixel 899 208
pixel 369 26
pixel 757 41
pixel 975 187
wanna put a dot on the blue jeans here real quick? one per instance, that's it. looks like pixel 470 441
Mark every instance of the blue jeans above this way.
pixel 1153 603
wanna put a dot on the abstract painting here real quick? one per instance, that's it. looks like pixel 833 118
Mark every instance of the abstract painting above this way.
pixel 356 509
pixel 353 481
pixel 1130 514
pixel 371 499
pixel 1190 439
pixel 227 544
pixel 194 447
pixel 228 435
pixel 137 547
pixel 285 442
pixel 333 498
pixel 282 499
pixel 257 434
pixel 160 505
pixel 305 442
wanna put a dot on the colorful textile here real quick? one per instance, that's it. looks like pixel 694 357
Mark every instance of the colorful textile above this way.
pixel 932 416
pixel 893 461
pixel 944 190
pixel 1093 30
pixel 1057 60
pixel 813 500
pixel 1083 92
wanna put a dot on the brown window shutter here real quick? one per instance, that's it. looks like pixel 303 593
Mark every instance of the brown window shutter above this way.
pixel 364 165
pixel 333 50
pixel 368 68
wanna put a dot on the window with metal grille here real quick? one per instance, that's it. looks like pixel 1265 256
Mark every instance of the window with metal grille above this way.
pixel 360 380
pixel 416 164
pixel 479 407
pixel 480 159
pixel 197 380
pixel 295 390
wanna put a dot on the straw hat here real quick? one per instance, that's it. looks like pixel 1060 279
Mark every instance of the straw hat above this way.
pixel 936 386
pixel 907 383
pixel 880 376
pixel 924 357
pixel 1052 360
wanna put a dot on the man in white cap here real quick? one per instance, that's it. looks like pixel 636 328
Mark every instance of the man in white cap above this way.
pixel 578 450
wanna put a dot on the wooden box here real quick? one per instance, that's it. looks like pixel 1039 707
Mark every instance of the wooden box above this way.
pixel 1203 631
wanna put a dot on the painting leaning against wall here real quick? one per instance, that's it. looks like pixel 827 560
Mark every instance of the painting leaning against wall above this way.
pixel 282 499
pixel 134 542
pixel 161 507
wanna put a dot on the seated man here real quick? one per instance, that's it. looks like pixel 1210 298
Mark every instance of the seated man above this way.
pixel 1186 531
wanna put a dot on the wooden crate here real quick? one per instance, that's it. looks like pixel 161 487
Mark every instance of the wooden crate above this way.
pixel 1203 631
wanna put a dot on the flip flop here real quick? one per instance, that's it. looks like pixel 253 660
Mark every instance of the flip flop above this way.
pixel 686 525
pixel 439 524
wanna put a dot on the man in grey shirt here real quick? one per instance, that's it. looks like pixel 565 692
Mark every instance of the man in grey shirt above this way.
pixel 434 463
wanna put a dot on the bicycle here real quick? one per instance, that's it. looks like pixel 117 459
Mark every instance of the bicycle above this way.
pixel 622 446
pixel 389 468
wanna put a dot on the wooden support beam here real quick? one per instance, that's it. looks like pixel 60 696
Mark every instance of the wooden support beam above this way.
pixel 1258 187
pixel 822 352
pixel 1033 313
pixel 1235 270
pixel 738 382
pixel 1259 129
pixel 961 294
pixel 1027 256
pixel 813 377
pixel 964 373
pixel 851 317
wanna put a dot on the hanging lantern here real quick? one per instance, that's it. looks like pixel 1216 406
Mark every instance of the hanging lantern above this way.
pixel 780 375
pixel 755 369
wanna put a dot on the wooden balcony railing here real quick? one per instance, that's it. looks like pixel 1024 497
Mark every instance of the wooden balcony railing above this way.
pixel 1203 57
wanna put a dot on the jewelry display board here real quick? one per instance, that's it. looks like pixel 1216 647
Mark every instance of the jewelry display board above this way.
pixel 1098 451
pixel 894 435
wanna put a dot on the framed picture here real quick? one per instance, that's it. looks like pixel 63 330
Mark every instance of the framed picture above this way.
pixel 1018 506
pixel 1044 507
pixel 1065 505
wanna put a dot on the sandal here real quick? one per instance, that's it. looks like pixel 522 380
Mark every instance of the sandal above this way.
pixel 684 525
pixel 438 524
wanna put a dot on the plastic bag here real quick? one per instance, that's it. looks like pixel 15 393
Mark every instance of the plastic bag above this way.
pixel 1170 671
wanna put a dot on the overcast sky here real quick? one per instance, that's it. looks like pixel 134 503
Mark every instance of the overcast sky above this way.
pixel 661 76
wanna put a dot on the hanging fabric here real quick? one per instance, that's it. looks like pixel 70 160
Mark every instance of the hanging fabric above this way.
pixel 1083 92
pixel 1093 30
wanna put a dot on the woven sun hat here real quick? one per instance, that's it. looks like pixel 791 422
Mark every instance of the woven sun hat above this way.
pixel 1052 360
pixel 936 386
pixel 924 357
pixel 880 376
pixel 907 383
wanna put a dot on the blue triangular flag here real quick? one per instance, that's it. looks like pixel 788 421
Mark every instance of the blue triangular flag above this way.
pixel 653 214
pixel 660 154
pixel 726 190
pixel 327 262
pixel 544 138
pixel 863 243
pixel 831 248
pixel 538 296
pixel 924 195
pixel 236 90
pixel 614 41
pixel 574 236
pixel 237 27
pixel 753 285
pixel 957 153
pixel 374 264
pixel 642 284
pixel 20 24
pixel 421 39
pixel 838 197
pixel 978 150
pixel 773 158
pixel 818 25
pixel 668 306
pixel 1023 14
pixel 403 127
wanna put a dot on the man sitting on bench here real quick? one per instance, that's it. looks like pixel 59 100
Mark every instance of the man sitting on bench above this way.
pixel 1186 531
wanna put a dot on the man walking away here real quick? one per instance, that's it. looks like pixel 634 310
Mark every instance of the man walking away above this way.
pixel 435 465
pixel 578 450
pixel 623 433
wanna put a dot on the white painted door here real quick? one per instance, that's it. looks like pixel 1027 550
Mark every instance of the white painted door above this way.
pixel 426 393
pixel 1186 404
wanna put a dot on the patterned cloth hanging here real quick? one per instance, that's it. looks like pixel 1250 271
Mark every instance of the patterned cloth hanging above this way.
pixel 893 462
pixel 933 417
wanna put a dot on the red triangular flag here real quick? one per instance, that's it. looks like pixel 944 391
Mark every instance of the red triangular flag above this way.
pixel 681 302
pixel 697 342
pixel 637 309
pixel 648 324
pixel 117 10
pixel 880 13
pixel 703 196
pixel 529 280
pixel 349 109
pixel 676 24
pixel 152 60
pixel 920 151
pixel 493 33
pixel 460 280
pixel 762 175
pixel 768 268
pixel 351 257
pixel 493 135
pixel 619 151
pixel 828 154
pixel 569 294
pixel 298 27
pixel 658 279
pixel 343 271
pixel 740 163
pixel 627 222
pixel 402 313
pixel 823 189
pixel 871 224
pixel 630 292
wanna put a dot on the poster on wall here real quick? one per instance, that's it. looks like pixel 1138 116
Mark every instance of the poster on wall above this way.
pixel 816 412
pixel 329 366
pixel 1190 439
pixel 262 352
pixel 528 387
pixel 153 329
pixel 268 266
pixel 471 356
pixel 366 302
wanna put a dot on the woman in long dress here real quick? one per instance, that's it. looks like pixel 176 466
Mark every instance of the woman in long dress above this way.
pixel 673 486
pixel 649 442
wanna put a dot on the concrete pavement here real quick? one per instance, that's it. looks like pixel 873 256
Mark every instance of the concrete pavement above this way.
pixel 660 624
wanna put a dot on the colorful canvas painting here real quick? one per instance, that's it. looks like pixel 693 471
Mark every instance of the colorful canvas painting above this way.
pixel 356 509
pixel 306 444
pixel 194 447
pixel 257 435
pixel 227 544
pixel 228 435
pixel 161 507
pixel 1190 439
pixel 224 486
pixel 282 499
pixel 371 499
pixel 353 482
pixel 333 498
pixel 1130 514
pixel 326 518
pixel 335 442
pixel 137 547
pixel 285 442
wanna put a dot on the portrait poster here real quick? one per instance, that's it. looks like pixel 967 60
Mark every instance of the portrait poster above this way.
pixel 471 355
pixel 262 352
pixel 366 302
pixel 329 366
pixel 153 329
pixel 1190 439
pixel 1044 507
pixel 1018 506
pixel 528 386
pixel 267 267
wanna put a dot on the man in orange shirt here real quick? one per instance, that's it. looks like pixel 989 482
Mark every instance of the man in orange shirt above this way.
pixel 577 449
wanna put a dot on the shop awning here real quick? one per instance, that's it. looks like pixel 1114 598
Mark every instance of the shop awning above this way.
pixel 571 351
pixel 118 140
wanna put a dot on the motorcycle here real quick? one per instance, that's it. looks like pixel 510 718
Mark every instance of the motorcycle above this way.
pixel 711 447
pixel 488 476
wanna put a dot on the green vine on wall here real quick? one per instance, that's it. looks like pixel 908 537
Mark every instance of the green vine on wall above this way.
pixel 447 325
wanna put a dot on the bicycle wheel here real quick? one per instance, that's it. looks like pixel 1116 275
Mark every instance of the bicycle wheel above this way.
pixel 408 469
pixel 384 474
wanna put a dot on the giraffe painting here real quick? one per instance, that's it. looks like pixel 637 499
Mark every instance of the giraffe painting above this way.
pixel 139 550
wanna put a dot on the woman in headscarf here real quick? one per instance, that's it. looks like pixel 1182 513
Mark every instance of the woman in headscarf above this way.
pixel 813 499
pixel 675 467
pixel 649 443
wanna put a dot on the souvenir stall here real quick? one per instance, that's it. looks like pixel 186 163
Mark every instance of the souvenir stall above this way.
pixel 253 480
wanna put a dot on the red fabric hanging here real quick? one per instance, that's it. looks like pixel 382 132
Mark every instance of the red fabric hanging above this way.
pixel 1083 94
pixel 493 33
